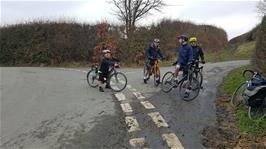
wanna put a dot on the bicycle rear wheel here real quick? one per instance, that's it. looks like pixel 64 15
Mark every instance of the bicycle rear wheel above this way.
pixel 189 89
pixel 237 98
pixel 167 82
pixel 118 81
pixel 92 78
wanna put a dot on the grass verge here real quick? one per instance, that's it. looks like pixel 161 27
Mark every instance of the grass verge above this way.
pixel 245 125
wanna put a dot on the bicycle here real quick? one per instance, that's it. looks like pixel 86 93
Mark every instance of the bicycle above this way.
pixel 188 84
pixel 155 71
pixel 116 80
pixel 240 96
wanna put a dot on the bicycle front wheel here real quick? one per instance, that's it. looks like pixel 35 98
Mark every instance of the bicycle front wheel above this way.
pixel 198 75
pixel 167 81
pixel 237 98
pixel 118 81
pixel 157 77
pixel 189 89
pixel 92 78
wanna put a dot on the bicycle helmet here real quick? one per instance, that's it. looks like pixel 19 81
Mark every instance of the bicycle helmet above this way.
pixel 192 39
pixel 106 51
pixel 184 37
pixel 157 40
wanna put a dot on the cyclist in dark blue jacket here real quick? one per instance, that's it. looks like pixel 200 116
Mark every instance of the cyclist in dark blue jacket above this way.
pixel 185 56
pixel 152 53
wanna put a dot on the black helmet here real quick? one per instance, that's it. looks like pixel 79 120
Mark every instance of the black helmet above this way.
pixel 184 37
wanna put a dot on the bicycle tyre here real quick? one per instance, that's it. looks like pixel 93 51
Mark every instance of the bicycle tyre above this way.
pixel 248 74
pixel 92 78
pixel 118 81
pixel 167 79
pixel 155 76
pixel 144 72
pixel 257 113
pixel 237 97
pixel 199 77
pixel 186 85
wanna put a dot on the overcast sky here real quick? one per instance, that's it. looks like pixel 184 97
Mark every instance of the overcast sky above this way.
pixel 236 17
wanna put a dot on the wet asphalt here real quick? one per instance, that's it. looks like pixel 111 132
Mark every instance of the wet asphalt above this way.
pixel 55 108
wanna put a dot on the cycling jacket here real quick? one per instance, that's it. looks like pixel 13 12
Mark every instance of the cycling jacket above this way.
pixel 198 53
pixel 153 53
pixel 105 64
pixel 185 54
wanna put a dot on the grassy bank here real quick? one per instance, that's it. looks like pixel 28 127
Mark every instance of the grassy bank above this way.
pixel 232 52
pixel 245 125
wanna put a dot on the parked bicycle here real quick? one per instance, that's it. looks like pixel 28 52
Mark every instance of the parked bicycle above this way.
pixel 189 86
pixel 116 80
pixel 155 71
pixel 251 93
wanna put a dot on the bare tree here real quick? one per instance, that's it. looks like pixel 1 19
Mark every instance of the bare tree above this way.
pixel 262 7
pixel 131 11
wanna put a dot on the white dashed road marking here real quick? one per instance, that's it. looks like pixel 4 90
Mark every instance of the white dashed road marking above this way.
pixel 132 124
pixel 120 96
pixel 147 105
pixel 158 119
pixel 137 142
pixel 126 107
pixel 172 141
pixel 138 95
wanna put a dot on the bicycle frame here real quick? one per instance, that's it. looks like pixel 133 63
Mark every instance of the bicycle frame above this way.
pixel 155 67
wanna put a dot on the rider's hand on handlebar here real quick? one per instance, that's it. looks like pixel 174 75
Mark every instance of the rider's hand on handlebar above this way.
pixel 117 65
pixel 203 62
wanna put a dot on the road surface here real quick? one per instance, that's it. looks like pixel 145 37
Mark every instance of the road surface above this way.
pixel 55 108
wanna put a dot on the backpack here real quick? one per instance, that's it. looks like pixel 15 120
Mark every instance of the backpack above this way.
pixel 256 96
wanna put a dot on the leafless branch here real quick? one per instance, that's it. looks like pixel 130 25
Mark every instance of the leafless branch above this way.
pixel 131 11
pixel 262 7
